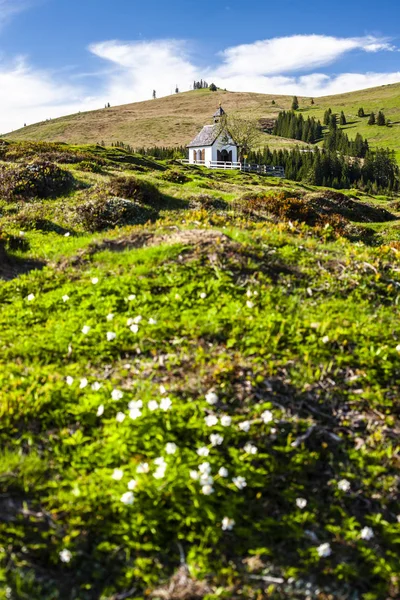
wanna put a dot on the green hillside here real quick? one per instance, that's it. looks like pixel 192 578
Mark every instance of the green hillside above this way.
pixel 174 120
pixel 198 383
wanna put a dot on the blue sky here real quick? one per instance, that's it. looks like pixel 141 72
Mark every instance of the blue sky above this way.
pixel 62 56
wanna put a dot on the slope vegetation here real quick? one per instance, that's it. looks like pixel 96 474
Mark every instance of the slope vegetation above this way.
pixel 199 388
pixel 174 120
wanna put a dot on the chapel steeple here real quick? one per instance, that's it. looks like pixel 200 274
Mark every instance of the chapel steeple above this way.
pixel 219 114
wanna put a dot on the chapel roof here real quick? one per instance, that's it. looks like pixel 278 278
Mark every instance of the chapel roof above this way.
pixel 220 112
pixel 206 137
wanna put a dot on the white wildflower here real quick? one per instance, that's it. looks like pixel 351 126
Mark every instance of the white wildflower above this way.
pixel 216 439
pixel 31 297
pixel 117 394
pixel 110 317
pixel 267 416
pixel 301 502
pixel 69 380
pixel 240 482
pixel 96 386
pixel 227 524
pixel 111 336
pixel 171 448
pixel 249 293
pixel 134 328
pixel 85 329
pixel 65 298
pixel 95 280
pixel 152 321
pixel 165 403
pixel 250 448
pixel 128 498
pixel 133 404
pixel 324 550
pixel 159 473
pixel 223 472
pixel 143 468
pixel 65 556
pixel 67 234
pixel 100 410
pixel 226 420
pixel 250 304
pixel 132 297
pixel 325 340
pixel 211 420
pixel 203 295
pixel 206 479
pixel 132 484
pixel 367 533
pixel 205 467
pixel 245 426
pixel 160 461
pixel 120 417
pixel 204 451
pixel 153 405
pixel 135 413
pixel 83 383
pixel 207 490
pixel 211 398
pixel 344 485
pixel 194 475
pixel 136 320
pixel 117 474
pixel 162 390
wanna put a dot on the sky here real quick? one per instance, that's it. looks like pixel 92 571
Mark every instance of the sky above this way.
pixel 60 57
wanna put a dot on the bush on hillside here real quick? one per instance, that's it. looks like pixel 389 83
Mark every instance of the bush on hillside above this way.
pixel 41 179
pixel 175 176
pixel 207 202
pixel 35 217
pixel 103 212
pixel 89 166
pixel 132 188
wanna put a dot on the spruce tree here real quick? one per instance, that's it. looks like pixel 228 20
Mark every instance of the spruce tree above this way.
pixel 361 112
pixel 381 119
pixel 327 116
pixel 295 103
pixel 372 120
pixel 343 119
pixel 312 101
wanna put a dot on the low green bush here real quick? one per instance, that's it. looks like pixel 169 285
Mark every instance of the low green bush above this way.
pixel 132 188
pixel 175 176
pixel 41 179
pixel 89 166
pixel 103 212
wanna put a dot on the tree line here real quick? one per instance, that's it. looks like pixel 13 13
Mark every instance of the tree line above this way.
pixel 293 126
pixel 377 172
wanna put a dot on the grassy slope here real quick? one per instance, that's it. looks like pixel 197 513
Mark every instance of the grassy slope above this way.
pixel 316 346
pixel 174 120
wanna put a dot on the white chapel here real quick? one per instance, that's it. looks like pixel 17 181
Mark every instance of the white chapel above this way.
pixel 213 146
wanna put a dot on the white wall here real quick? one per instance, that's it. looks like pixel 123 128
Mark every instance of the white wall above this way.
pixel 208 151
pixel 228 147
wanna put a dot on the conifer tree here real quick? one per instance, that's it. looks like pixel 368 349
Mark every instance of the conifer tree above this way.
pixel 154 94
pixel 295 103
pixel 327 116
pixel 361 112
pixel 372 120
pixel 381 119
pixel 312 101
pixel 343 119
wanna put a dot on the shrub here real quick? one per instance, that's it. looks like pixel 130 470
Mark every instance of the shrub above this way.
pixel 103 212
pixel 175 176
pixel 40 179
pixel 89 166
pixel 35 217
pixel 132 188
pixel 207 202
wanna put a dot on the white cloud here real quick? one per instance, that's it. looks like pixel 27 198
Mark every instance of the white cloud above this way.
pixel 294 53
pixel 8 8
pixel 133 69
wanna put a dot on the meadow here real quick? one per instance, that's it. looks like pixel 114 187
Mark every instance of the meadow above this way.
pixel 198 385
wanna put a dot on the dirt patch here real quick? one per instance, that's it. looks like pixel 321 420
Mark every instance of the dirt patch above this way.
pixel 182 587
pixel 335 203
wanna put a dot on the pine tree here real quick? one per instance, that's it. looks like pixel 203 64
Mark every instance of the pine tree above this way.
pixel 343 119
pixel 212 87
pixel 273 102
pixel 312 101
pixel 327 116
pixel 176 90
pixel 381 119
pixel 361 112
pixel 372 120
pixel 154 94
pixel 295 103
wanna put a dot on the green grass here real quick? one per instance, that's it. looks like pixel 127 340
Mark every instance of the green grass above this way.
pixel 296 332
